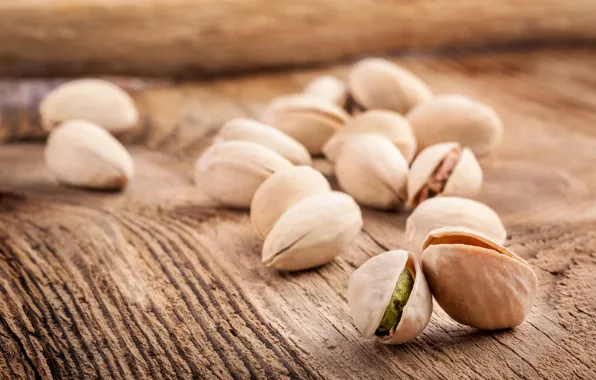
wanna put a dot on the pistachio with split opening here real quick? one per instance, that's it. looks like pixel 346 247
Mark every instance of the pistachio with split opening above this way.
pixel 329 89
pixel 388 297
pixel 477 281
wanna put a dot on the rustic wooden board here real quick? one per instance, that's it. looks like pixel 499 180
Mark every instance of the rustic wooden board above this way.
pixel 156 282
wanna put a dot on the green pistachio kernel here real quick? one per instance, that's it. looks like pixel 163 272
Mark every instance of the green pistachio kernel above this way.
pixel 398 301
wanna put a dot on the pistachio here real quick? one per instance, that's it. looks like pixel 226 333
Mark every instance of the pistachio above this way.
pixel 263 134
pixel 312 232
pixel 443 169
pixel 94 100
pixel 231 171
pixel 388 124
pixel 457 118
pixel 329 89
pixel 452 212
pixel 281 191
pixel 375 83
pixel 83 154
pixel 306 119
pixel 477 281
pixel 373 171
pixel 389 298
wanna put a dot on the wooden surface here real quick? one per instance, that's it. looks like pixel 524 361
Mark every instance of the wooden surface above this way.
pixel 193 37
pixel 156 282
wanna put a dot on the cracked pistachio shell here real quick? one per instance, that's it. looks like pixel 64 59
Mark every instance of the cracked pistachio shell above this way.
pixel 306 118
pixel 312 232
pixel 388 124
pixel 373 171
pixel 94 100
pixel 457 118
pixel 263 134
pixel 376 83
pixel 281 191
pixel 328 88
pixel 452 212
pixel 371 288
pixel 231 171
pixel 477 281
pixel 465 179
pixel 83 154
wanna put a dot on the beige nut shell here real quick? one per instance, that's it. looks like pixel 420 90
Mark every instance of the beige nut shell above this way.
pixel 312 232
pixel 231 171
pixel 477 281
pixel 371 287
pixel 281 191
pixel 456 118
pixel 373 171
pixel 388 124
pixel 328 88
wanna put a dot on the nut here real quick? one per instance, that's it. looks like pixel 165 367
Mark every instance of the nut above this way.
pixel 281 191
pixel 263 134
pixel 306 119
pixel 329 89
pixel 452 212
pixel 231 172
pixel 443 169
pixel 457 118
pixel 83 154
pixel 376 83
pixel 312 232
pixel 477 281
pixel 94 100
pixel 388 297
pixel 388 124
pixel 373 171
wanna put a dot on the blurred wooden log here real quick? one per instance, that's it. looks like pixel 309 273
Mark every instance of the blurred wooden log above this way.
pixel 183 37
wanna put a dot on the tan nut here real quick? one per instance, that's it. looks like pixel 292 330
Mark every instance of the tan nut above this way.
pixel 231 172
pixel 477 281
pixel 388 124
pixel 329 89
pixel 444 169
pixel 306 118
pixel 457 118
pixel 373 171
pixel 312 232
pixel 281 191
pixel 388 297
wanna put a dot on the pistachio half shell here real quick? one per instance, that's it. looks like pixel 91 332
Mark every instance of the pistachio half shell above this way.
pixel 388 297
pixel 373 171
pixel 444 169
pixel 231 171
pixel 329 89
pixel 307 119
pixel 477 281
pixel 457 118
pixel 312 232
pixel 388 124
pixel 281 191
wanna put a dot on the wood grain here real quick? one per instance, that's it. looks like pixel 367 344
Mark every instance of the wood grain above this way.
pixel 196 37
pixel 157 282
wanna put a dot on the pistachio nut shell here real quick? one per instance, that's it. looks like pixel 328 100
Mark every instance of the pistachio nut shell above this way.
pixel 373 171
pixel 376 83
pixel 388 124
pixel 83 154
pixel 371 287
pixel 263 134
pixel 329 89
pixel 312 232
pixel 307 119
pixel 281 191
pixel 457 118
pixel 477 281
pixel 231 171
pixel 94 100
pixel 452 212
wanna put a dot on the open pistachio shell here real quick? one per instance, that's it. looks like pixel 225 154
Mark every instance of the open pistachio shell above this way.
pixel 375 292
pixel 477 281
pixel 328 88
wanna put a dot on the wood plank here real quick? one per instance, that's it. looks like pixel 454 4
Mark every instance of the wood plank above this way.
pixel 157 282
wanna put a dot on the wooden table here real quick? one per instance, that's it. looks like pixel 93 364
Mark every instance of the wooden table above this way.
pixel 157 282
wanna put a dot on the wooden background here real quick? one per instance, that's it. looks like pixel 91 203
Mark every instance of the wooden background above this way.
pixel 156 282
